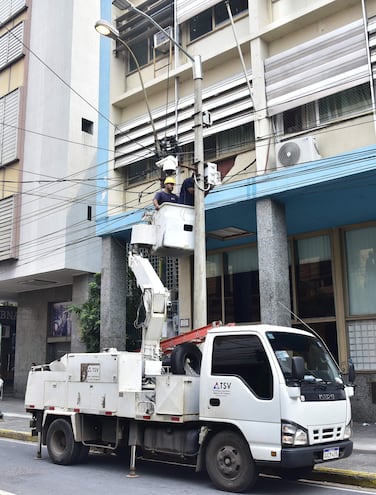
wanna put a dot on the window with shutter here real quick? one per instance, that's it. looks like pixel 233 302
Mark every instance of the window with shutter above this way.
pixel 7 207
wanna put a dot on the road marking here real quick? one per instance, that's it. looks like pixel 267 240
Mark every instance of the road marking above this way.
pixel 2 492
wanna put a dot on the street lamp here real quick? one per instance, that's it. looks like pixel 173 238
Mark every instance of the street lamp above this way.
pixel 199 280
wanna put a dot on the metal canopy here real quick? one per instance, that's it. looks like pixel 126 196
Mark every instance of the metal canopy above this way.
pixel 133 27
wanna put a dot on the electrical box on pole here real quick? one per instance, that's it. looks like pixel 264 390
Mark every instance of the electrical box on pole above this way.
pixel 212 175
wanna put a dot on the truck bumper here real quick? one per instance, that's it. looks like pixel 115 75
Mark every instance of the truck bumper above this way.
pixel 313 454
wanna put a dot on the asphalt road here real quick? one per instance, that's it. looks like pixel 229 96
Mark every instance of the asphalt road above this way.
pixel 22 474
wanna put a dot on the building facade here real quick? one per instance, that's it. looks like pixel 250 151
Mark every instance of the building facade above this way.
pixel 289 106
pixel 48 143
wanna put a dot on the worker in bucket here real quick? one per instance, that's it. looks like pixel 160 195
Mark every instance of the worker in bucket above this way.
pixel 166 195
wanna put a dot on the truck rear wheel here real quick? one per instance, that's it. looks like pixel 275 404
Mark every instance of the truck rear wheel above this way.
pixel 186 357
pixel 61 446
pixel 229 462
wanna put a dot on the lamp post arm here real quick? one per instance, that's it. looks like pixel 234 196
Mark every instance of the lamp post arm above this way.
pixel 156 140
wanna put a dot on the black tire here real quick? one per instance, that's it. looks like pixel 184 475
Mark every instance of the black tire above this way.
pixel 61 445
pixel 229 462
pixel 185 356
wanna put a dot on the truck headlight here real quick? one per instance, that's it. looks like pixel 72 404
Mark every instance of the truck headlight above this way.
pixel 293 435
pixel 348 431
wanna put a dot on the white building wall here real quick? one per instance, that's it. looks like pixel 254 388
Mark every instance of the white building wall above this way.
pixel 62 88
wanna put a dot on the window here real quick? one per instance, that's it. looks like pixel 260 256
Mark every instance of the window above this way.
pixel 138 172
pixel 10 8
pixel 87 126
pixel 11 45
pixel 241 285
pixel 143 53
pixel 318 363
pixel 344 104
pixel 214 286
pixel 361 270
pixel 206 21
pixel 229 142
pixel 7 226
pixel 9 111
pixel 314 277
pixel 244 356
pixel 236 272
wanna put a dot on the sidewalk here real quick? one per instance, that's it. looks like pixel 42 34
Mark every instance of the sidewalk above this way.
pixel 359 469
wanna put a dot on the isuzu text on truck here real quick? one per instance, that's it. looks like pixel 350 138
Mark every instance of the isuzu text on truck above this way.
pixel 234 400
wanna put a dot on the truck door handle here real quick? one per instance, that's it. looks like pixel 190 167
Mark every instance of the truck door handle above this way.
pixel 214 402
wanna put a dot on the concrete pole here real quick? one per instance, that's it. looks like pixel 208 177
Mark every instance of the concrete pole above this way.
pixel 199 273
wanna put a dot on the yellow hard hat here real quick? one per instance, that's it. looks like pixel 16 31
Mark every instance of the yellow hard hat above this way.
pixel 169 180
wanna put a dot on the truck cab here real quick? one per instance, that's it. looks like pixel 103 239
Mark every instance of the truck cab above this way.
pixel 281 390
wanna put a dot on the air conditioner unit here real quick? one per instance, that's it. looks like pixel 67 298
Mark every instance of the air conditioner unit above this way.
pixel 162 41
pixel 295 151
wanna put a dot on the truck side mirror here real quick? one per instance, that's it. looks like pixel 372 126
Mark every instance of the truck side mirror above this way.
pixel 297 368
pixel 351 372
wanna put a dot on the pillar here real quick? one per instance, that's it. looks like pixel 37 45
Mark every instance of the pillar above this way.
pixel 113 294
pixel 273 263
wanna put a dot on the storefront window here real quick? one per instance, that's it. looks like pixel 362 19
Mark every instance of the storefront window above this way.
pixel 233 286
pixel 314 277
pixel 214 286
pixel 361 270
pixel 241 285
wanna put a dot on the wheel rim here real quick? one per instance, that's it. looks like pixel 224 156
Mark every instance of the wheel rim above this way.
pixel 229 461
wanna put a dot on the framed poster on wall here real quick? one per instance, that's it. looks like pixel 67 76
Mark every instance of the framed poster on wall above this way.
pixel 60 321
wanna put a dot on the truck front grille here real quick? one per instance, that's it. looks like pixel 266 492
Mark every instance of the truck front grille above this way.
pixel 326 434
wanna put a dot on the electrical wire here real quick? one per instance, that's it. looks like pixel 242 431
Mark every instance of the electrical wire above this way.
pixel 62 180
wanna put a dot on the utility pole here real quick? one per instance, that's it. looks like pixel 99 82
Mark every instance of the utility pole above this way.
pixel 199 256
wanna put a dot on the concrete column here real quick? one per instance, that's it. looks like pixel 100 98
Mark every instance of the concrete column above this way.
pixel 273 263
pixel 113 294
pixel 185 295
pixel 80 294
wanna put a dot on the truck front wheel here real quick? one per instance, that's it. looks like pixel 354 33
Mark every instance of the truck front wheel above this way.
pixel 61 446
pixel 229 462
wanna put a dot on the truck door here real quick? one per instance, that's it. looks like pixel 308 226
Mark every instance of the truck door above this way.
pixel 239 386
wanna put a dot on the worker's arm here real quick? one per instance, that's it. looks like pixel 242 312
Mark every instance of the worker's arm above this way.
pixel 156 201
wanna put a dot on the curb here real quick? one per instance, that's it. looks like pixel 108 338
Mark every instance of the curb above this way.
pixel 17 435
pixel 344 476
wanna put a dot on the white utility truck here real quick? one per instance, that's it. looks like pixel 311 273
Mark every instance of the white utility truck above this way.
pixel 235 400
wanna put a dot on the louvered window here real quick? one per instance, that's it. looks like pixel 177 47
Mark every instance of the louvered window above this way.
pixel 6 228
pixel 320 67
pixel 228 101
pixel 11 45
pixel 9 8
pixel 9 111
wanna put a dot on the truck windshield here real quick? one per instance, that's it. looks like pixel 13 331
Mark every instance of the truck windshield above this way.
pixel 319 366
